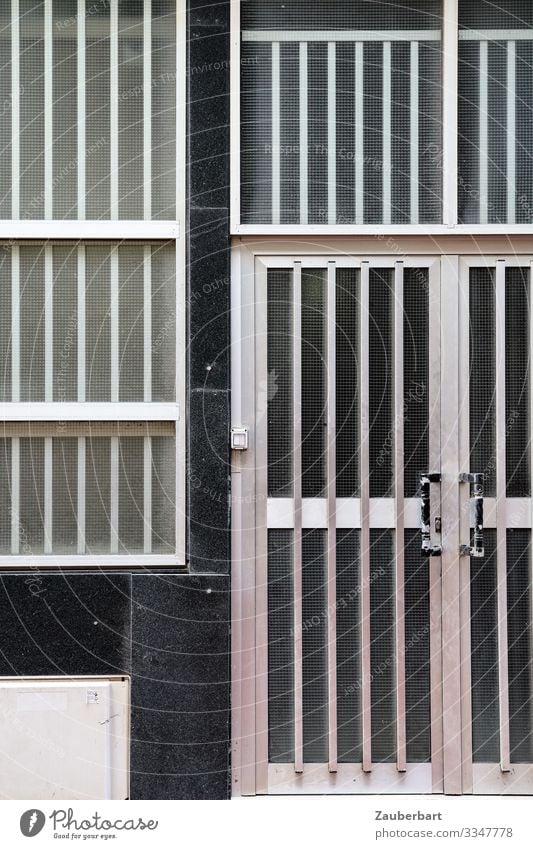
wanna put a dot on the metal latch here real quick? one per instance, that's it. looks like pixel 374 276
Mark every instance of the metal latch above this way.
pixel 239 438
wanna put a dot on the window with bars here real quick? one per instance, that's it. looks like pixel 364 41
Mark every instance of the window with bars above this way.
pixel 91 322
pixel 383 114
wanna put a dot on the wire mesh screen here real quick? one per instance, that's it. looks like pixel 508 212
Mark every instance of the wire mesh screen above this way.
pixel 495 113
pixel 484 650
pixel 517 399
pixel 347 381
pixel 340 130
pixel 314 648
pixel 415 376
pixel 483 376
pixel 519 641
pixel 280 647
pixel 95 133
pixel 349 708
pixel 417 651
pixel 276 396
pixel 382 643
pixel 314 382
pixel 381 433
pixel 136 350
pixel 108 513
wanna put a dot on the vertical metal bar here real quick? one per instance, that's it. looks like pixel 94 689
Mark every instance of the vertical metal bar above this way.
pixel 114 311
pixel 81 323
pixel 414 135
pixel 359 134
pixel 15 109
pixel 401 757
pixel 501 522
pixel 81 106
pixel 48 494
pixel 332 521
pixel 15 495
pixel 114 490
pixel 464 528
pixel 332 134
pixel 147 318
pixel 147 106
pixel 451 621
pixel 511 132
pixel 304 142
pixel 48 323
pixel 15 323
pixel 483 132
pixel 297 496
pixel 365 517
pixel 81 494
pixel 449 111
pixel 276 130
pixel 387 129
pixel 113 111
pixel 434 563
pixel 147 495
pixel 48 109
pixel 255 773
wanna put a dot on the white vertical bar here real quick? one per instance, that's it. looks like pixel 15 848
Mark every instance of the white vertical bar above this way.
pixel 81 323
pixel 365 517
pixel 276 123
pixel 501 521
pixel 332 134
pixel 401 756
pixel 387 117
pixel 359 134
pixel 147 495
pixel 15 495
pixel 452 721
pixel 463 355
pixel 332 522
pixel 114 488
pixel 511 132
pixel 115 355
pixel 450 28
pixel 48 495
pixel 48 109
pixel 15 323
pixel 48 323
pixel 147 318
pixel 483 133
pixel 81 495
pixel 15 109
pixel 297 496
pixel 81 110
pixel 304 152
pixel 113 106
pixel 414 137
pixel 235 112
pixel 147 123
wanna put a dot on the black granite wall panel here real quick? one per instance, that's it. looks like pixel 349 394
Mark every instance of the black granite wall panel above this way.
pixel 180 693
pixel 208 290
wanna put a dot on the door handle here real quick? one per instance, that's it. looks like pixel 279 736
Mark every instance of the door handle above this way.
pixel 477 549
pixel 426 479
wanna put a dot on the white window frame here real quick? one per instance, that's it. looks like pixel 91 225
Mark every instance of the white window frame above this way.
pixel 14 231
pixel 450 38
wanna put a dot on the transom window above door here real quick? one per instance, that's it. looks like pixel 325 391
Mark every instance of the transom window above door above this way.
pixel 357 114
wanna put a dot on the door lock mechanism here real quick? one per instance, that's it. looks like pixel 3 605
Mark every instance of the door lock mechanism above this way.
pixel 239 438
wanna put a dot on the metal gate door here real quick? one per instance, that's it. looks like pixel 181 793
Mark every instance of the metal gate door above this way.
pixel 495 421
pixel 337 611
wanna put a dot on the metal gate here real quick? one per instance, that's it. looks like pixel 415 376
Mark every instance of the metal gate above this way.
pixel 373 647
